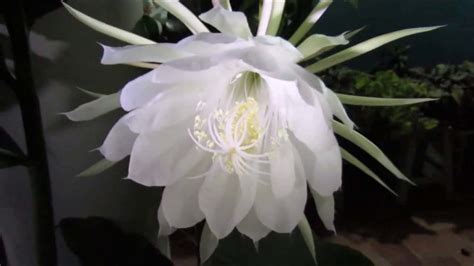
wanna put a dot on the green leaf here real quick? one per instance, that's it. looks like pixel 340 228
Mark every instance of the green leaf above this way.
pixel 368 147
pixel 97 168
pixel 307 233
pixel 107 29
pixel 375 101
pixel 355 162
pixel 364 47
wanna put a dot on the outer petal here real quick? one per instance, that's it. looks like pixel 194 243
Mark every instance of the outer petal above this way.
pixel 163 157
pixel 119 141
pixel 282 215
pixel 326 209
pixel 180 203
pixel 165 227
pixel 162 52
pixel 167 109
pixel 140 91
pixel 234 23
pixel 226 199
pixel 212 43
pixel 252 227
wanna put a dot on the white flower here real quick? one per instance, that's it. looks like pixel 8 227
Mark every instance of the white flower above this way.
pixel 231 125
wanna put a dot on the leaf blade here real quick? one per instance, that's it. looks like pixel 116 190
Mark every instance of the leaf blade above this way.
pixel 375 101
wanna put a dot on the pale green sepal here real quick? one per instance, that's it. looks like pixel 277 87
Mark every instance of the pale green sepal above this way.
pixel 374 101
pixel 355 162
pixel 207 244
pixel 326 208
pixel 95 108
pixel 97 168
pixel 233 23
pixel 308 237
pixel 369 147
pixel 353 33
pixel 337 108
pixel 308 23
pixel 275 18
pixel 91 93
pixel 319 43
pixel 163 244
pixel 107 29
pixel 182 13
pixel 364 47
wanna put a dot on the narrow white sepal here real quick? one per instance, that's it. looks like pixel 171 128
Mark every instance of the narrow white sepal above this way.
pixel 95 108
pixel 107 29
pixel 364 47
pixel 207 244
pixel 265 17
pixel 355 162
pixel 97 168
pixel 91 93
pixel 369 147
pixel 275 18
pixel 308 23
pixel 375 101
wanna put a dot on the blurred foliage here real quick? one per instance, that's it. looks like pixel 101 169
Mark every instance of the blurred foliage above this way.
pixel 399 120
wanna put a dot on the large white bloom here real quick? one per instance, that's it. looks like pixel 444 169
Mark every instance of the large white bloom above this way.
pixel 231 125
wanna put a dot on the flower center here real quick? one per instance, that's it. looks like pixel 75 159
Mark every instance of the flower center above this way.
pixel 233 136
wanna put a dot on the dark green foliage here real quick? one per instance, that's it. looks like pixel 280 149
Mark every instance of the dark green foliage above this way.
pixel 386 84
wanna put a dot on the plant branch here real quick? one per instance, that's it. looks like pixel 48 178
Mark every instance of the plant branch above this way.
pixel 33 128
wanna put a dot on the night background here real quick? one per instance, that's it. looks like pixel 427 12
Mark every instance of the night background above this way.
pixel 106 220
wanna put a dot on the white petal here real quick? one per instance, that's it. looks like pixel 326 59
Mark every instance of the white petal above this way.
pixel 234 23
pixel 207 244
pixel 180 203
pixel 212 43
pixel 95 108
pixel 282 168
pixel 282 215
pixel 140 91
pixel 163 157
pixel 279 47
pixel 323 165
pixel 252 227
pixel 119 142
pixel 326 209
pixel 169 108
pixel 318 43
pixel 165 228
pixel 226 199
pixel 160 53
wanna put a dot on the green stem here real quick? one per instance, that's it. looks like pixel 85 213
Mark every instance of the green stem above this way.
pixel 31 115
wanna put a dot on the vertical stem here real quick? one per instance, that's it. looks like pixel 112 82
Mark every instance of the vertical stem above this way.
pixel 31 115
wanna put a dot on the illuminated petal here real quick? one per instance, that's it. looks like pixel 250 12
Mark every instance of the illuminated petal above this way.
pixel 160 53
pixel 119 141
pixel 252 227
pixel 100 106
pixel 233 23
